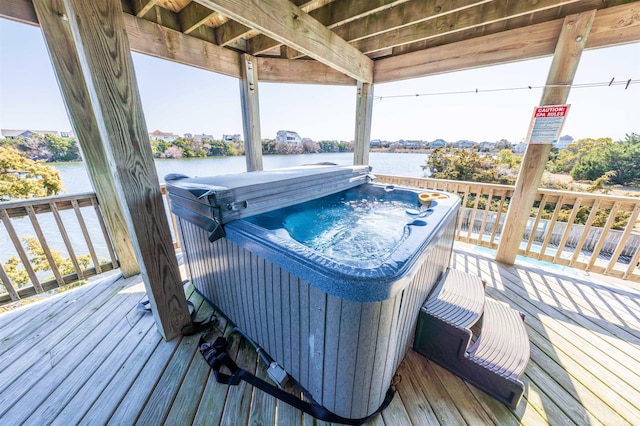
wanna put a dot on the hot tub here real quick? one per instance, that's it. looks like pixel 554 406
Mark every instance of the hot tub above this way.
pixel 339 325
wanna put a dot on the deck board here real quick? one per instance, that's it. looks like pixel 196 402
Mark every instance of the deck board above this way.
pixel 88 356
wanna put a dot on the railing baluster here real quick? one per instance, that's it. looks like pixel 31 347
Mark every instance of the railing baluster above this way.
pixel 552 224
pixel 45 247
pixel 496 225
pixel 486 217
pixel 585 233
pixel 65 238
pixel 7 284
pixel 20 250
pixel 472 218
pixel 605 231
pixel 623 239
pixel 534 228
pixel 633 264
pixel 87 238
pixel 462 211
pixel 105 232
pixel 567 231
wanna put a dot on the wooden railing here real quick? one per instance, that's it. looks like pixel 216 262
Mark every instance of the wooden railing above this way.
pixel 554 232
pixel 71 224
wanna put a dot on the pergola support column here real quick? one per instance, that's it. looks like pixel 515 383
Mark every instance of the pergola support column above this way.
pixel 571 42
pixel 59 41
pixel 106 69
pixel 250 112
pixel 364 109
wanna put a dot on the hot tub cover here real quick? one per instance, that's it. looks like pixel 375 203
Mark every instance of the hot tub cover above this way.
pixel 212 201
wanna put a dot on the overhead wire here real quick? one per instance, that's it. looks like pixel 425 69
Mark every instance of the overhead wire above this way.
pixel 612 82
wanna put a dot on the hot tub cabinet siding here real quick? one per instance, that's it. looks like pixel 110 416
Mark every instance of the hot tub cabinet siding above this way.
pixel 344 352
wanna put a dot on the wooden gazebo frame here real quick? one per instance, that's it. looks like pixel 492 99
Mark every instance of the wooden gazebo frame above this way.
pixel 338 42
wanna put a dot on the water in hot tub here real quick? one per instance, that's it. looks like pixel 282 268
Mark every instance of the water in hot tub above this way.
pixel 364 228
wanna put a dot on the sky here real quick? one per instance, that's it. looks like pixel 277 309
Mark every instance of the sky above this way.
pixel 181 99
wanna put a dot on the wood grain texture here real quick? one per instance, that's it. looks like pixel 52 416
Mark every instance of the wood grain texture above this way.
pixel 155 40
pixel 615 25
pixel 283 21
pixel 250 112
pixel 571 42
pixel 364 113
pixel 103 49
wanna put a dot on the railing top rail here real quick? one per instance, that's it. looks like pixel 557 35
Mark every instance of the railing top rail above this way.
pixel 590 195
pixel 46 200
pixel 448 181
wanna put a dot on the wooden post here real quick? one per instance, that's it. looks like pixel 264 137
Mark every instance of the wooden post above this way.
pixel 571 42
pixel 364 109
pixel 101 44
pixel 57 35
pixel 250 112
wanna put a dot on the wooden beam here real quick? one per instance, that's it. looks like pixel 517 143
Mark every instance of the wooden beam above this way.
pixel 251 113
pixel 19 11
pixel 193 15
pixel 156 40
pixel 283 21
pixel 141 7
pixel 332 15
pixel 229 32
pixel 364 110
pixel 571 42
pixel 101 43
pixel 278 70
pixel 409 14
pixel 59 41
pixel 460 20
pixel 611 26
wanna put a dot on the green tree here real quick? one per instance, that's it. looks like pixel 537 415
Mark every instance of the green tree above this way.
pixel 62 149
pixel 24 178
pixel 39 262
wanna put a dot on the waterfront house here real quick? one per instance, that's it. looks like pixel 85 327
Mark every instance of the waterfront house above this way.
pixel 88 358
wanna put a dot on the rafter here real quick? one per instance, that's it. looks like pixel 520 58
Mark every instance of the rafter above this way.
pixel 332 15
pixel 193 15
pixel 141 7
pixel 283 21
pixel 481 14
pixel 611 26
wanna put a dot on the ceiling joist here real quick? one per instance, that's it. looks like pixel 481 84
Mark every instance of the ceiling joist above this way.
pixel 283 21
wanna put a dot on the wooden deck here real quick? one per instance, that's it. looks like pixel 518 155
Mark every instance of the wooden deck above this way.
pixel 88 356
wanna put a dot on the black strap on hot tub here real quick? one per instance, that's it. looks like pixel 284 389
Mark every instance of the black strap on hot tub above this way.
pixel 217 356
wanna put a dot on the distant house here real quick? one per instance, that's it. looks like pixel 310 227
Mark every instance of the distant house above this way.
pixel 465 144
pixel 563 142
pixel 288 136
pixel 486 146
pixel 163 136
pixel 375 143
pixel 22 133
pixel 202 137
pixel 188 135
pixel 438 143
pixel 231 138
pixel 520 148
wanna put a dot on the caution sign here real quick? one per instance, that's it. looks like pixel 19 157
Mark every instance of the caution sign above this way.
pixel 546 123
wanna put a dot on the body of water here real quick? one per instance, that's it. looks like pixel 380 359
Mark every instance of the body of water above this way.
pixel 75 178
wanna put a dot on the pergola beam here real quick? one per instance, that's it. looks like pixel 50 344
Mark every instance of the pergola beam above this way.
pixel 571 42
pixel 285 22
pixel 611 26
pixel 250 113
pixel 98 32
pixel 59 41
pixel 364 112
